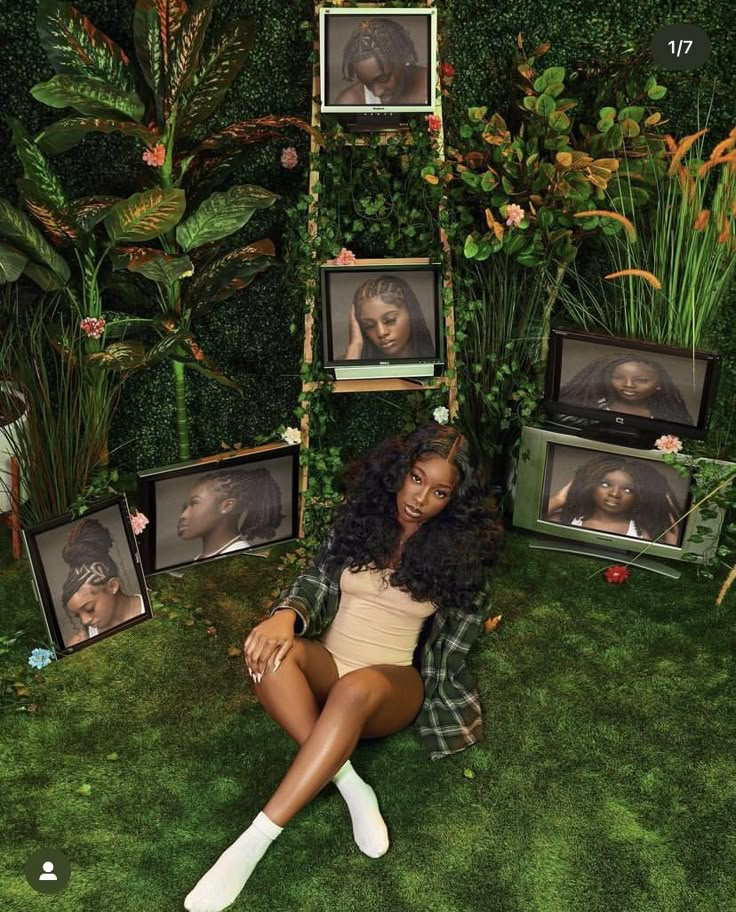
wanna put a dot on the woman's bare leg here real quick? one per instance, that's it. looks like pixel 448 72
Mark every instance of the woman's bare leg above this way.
pixel 370 702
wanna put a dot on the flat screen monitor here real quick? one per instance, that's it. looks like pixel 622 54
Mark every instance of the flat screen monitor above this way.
pixel 625 382
pixel 585 490
pixel 377 59
pixel 382 318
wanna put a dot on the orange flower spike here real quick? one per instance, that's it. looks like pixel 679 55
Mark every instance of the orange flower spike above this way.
pixel 687 142
pixel 711 163
pixel 642 273
pixel 725 229
pixel 702 220
pixel 670 143
pixel 604 213
pixel 722 146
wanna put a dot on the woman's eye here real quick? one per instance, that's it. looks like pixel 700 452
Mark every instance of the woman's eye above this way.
pixel 442 494
pixel 390 322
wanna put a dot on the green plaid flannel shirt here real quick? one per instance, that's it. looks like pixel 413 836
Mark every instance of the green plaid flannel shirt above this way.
pixel 450 718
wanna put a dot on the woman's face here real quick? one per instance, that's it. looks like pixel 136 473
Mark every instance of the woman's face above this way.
pixel 615 493
pixel 425 492
pixel 388 85
pixel 95 605
pixel 634 381
pixel 386 325
pixel 202 511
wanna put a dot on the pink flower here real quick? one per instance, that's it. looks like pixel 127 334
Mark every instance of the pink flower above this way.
pixel 447 70
pixel 433 122
pixel 668 443
pixel 345 257
pixel 138 522
pixel 514 214
pixel 93 326
pixel 212 631
pixel 289 158
pixel 616 573
pixel 155 157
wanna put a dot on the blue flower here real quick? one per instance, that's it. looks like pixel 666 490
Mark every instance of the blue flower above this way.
pixel 40 658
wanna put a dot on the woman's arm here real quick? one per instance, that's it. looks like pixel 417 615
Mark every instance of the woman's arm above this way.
pixel 354 351
pixel 557 502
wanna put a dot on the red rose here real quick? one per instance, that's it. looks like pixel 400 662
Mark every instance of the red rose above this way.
pixel 433 122
pixel 447 69
pixel 616 574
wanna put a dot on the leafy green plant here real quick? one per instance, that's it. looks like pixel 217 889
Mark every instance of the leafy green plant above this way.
pixel 62 439
pixel 179 209
pixel 671 278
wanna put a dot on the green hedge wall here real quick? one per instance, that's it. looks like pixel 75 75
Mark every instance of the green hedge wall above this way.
pixel 249 336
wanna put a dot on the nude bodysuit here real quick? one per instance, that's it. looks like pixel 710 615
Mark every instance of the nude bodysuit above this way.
pixel 375 623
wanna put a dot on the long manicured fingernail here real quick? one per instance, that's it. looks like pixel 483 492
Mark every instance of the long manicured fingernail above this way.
pixel 276 665
pixel 258 677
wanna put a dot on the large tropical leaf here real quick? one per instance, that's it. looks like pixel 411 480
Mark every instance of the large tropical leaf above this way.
pixel 88 211
pixel 76 48
pixel 69 132
pixel 170 14
pixel 217 72
pixel 147 37
pixel 124 355
pixel 186 50
pixel 43 277
pixel 57 223
pixel 35 167
pixel 144 216
pixel 12 263
pixel 228 274
pixel 250 131
pixel 153 264
pixel 88 96
pixel 222 214
pixel 207 368
pixel 20 232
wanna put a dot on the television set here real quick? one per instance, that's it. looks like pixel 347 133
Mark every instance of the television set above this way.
pixel 642 389
pixel 219 506
pixel 377 61
pixel 382 318
pixel 601 496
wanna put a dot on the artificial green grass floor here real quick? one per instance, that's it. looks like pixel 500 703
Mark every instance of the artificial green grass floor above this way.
pixel 606 780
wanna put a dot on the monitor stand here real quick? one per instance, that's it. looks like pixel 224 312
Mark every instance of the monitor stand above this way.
pixel 373 123
pixel 609 554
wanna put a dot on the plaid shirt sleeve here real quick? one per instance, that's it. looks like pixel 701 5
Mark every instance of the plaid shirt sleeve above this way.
pixel 313 595
pixel 450 718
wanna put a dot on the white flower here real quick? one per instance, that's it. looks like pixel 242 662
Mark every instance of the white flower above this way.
pixel 292 435
pixel 668 443
pixel 441 415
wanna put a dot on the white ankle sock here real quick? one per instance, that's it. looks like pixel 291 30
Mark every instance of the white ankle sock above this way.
pixel 369 829
pixel 220 886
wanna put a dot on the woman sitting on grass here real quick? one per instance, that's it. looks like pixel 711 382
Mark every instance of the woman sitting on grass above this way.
pixel 408 549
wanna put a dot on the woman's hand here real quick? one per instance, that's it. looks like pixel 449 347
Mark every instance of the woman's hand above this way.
pixel 272 638
pixel 557 501
pixel 355 338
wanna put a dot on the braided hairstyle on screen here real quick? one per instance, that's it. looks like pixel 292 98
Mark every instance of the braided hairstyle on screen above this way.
pixel 385 40
pixel 257 499
pixel 87 551
pixel 395 290
pixel 593 384
pixel 651 513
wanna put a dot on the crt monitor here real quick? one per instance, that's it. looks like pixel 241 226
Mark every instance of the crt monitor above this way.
pixel 382 318
pixel 656 388
pixel 377 59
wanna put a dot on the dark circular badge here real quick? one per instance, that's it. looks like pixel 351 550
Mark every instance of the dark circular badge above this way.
pixel 48 871
pixel 680 47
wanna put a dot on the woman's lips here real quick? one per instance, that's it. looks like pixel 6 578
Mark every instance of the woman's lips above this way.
pixel 412 514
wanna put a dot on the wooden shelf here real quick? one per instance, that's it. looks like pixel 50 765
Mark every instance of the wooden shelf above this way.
pixel 382 385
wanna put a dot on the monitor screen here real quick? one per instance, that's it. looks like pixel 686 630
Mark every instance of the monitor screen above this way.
pixel 377 60
pixel 570 487
pixel 381 314
pixel 627 382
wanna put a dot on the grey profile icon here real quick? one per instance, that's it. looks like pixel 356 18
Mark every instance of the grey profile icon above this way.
pixel 48 870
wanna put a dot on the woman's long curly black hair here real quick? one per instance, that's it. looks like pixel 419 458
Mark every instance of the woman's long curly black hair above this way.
pixel 398 292
pixel 593 384
pixel 446 561
pixel 651 510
